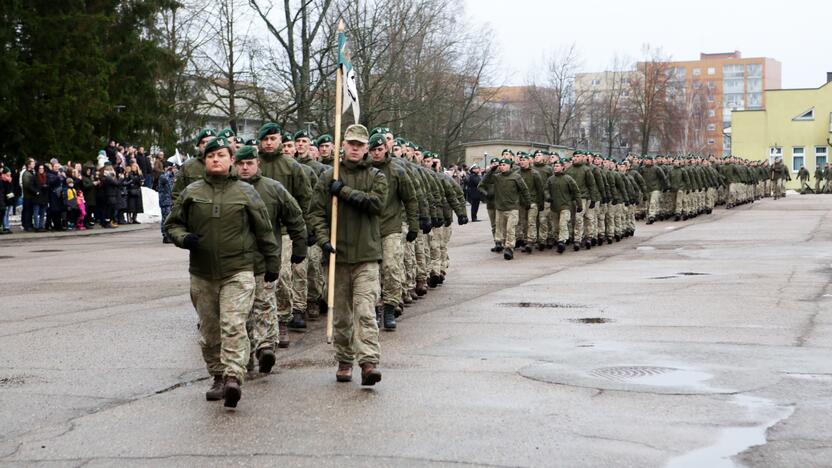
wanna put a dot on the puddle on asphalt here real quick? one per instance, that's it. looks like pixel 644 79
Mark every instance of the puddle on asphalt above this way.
pixel 734 440
pixel 591 320
pixel 3 257
pixel 543 305
pixel 46 251
pixel 655 376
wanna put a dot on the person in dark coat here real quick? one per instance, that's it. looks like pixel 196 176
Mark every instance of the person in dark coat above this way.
pixel 133 180
pixel 145 166
pixel 165 186
pixel 56 216
pixel 112 194
pixel 6 199
pixel 471 192
pixel 41 188
pixel 89 185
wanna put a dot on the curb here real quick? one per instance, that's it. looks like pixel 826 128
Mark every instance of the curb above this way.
pixel 20 236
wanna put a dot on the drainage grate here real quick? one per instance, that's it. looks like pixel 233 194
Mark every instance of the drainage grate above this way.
pixel 47 251
pixel 543 305
pixel 591 320
pixel 626 373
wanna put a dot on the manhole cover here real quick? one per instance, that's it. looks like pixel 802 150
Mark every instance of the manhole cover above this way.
pixel 47 250
pixel 543 305
pixel 629 373
pixel 591 320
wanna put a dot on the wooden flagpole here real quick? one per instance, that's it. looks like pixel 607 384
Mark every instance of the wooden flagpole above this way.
pixel 333 233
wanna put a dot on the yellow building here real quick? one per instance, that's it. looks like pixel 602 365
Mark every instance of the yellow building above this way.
pixel 795 125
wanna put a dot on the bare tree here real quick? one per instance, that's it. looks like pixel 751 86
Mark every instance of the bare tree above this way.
pixel 555 99
pixel 649 108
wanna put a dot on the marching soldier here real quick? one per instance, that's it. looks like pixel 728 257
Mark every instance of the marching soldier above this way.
pixel 223 222
pixel 527 227
pixel 779 175
pixel 361 192
pixel 564 196
pixel 818 178
pixel 510 193
pixel 803 177
pixel 584 224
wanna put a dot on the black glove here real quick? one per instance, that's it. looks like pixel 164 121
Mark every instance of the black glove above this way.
pixel 191 241
pixel 591 204
pixel 335 187
pixel 633 202
pixel 625 203
pixel 295 259
pixel 578 209
pixel 448 221
pixel 436 222
pixel 328 249
pixel 411 236
pixel 614 203
pixel 425 224
pixel 548 200
pixel 311 240
pixel 605 200
pixel 270 277
pixel 462 219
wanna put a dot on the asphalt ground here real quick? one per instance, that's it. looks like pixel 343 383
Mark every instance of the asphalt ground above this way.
pixel 698 343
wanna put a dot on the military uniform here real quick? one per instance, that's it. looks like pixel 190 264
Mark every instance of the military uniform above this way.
pixel 510 193
pixel 223 222
pixel 527 227
pixel 564 196
pixel 583 225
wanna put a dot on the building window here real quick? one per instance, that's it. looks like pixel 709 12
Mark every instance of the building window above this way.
pixel 711 99
pixel 711 70
pixel 711 127
pixel 711 113
pixel 806 115
pixel 711 141
pixel 596 82
pixel 797 158
pixel 754 70
pixel 773 153
pixel 733 101
pixel 820 156
pixel 733 86
pixel 697 84
pixel 711 85
pixel 697 71
pixel 754 85
pixel 755 100
pixel 733 71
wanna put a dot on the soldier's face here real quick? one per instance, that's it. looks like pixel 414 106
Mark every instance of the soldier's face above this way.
pixel 389 141
pixel 313 152
pixel 524 163
pixel 247 168
pixel 325 149
pixel 397 151
pixel 269 143
pixel 289 148
pixel 354 150
pixel 302 145
pixel 202 142
pixel 558 168
pixel 504 167
pixel 218 162
pixel 378 153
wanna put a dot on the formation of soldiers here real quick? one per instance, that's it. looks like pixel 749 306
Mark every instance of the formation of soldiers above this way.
pixel 544 201
pixel 256 218
pixel 823 179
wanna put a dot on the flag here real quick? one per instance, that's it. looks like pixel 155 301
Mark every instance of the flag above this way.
pixel 176 158
pixel 350 98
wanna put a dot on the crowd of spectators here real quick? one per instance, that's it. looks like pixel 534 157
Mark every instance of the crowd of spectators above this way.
pixel 106 192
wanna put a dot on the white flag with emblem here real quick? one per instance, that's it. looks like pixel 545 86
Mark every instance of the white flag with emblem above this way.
pixel 350 98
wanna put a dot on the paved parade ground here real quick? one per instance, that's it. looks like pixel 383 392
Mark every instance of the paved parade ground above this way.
pixel 698 343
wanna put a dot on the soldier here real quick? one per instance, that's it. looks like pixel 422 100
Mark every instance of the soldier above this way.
pixel 325 149
pixel 818 178
pixel 527 226
pixel 827 175
pixel 400 197
pixel 361 192
pixel 680 189
pixel 545 235
pixel 656 182
pixel 486 188
pixel 779 174
pixel 223 222
pixel 564 196
pixel 194 168
pixel 583 225
pixel 284 212
pixel 803 177
pixel 281 166
pixel 510 193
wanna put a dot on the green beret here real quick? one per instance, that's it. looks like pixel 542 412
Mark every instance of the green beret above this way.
pixel 246 152
pixel 410 144
pixel 268 128
pixel 381 130
pixel 251 142
pixel 506 161
pixel 427 154
pixel 506 150
pixel 376 140
pixel 325 138
pixel 227 133
pixel 301 134
pixel 216 144
pixel 287 136
pixel 399 142
pixel 205 132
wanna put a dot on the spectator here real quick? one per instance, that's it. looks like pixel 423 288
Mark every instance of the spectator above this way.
pixel 165 199
pixel 41 198
pixel 158 168
pixel 56 214
pixel 30 193
pixel 111 195
pixel 471 192
pixel 6 199
pixel 89 186
pixel 111 152
pixel 69 200
pixel 146 167
pixel 133 182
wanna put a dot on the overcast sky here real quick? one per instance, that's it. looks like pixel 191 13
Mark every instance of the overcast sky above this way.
pixel 798 33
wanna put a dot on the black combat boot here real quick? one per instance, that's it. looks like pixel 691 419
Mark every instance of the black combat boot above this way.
pixel 265 360
pixel 312 310
pixel 651 220
pixel 593 241
pixel 370 375
pixel 232 392
pixel 540 246
pixel 389 311
pixel 433 280
pixel 617 238
pixel 508 254
pixel 527 248
pixel 561 247
pixel 421 288
pixel 217 389
pixel 298 320
pixel 587 244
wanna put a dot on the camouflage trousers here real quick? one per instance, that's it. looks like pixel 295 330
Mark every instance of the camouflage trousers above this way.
pixel 779 189
pixel 680 203
pixel 653 204
pixel 527 223
pixel 223 307
pixel 561 219
pixel 543 229
pixel 506 228
pixel 584 222
pixel 392 269
pixel 722 194
pixel 422 254
pixel 666 200
pixel 616 220
pixel 299 285
pixel 601 212
pixel 492 218
pixel 409 250
pixel 314 274
pixel 446 238
pixel 629 215
pixel 710 198
pixel 284 281
pixel 262 321
pixel 435 249
pixel 354 321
